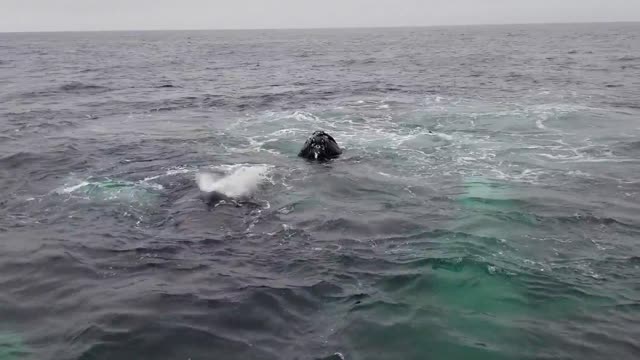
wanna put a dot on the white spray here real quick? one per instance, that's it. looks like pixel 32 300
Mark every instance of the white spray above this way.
pixel 239 182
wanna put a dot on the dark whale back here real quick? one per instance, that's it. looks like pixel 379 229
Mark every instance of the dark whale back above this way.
pixel 212 198
pixel 320 146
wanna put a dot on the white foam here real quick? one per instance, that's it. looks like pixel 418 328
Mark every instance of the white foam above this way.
pixel 151 178
pixel 450 147
pixel 72 188
pixel 178 171
pixel 152 185
pixel 287 131
pixel 559 156
pixel 169 172
pixel 526 176
pixel 444 136
pixel 602 160
pixel 304 116
pixel 578 173
pixel 240 181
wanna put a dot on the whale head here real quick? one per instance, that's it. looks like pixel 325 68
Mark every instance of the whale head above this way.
pixel 320 146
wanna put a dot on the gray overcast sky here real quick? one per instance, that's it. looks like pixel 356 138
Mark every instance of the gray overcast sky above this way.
pixel 57 15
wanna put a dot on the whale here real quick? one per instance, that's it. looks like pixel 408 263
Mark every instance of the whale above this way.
pixel 214 198
pixel 320 146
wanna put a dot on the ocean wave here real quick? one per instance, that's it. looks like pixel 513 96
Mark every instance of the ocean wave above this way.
pixel 627 58
pixel 82 87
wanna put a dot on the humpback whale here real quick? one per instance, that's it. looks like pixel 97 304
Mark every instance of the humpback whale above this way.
pixel 320 146
pixel 213 198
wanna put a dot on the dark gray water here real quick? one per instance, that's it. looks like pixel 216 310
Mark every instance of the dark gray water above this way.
pixel 486 205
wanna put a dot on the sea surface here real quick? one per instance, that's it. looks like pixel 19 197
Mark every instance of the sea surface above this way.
pixel 486 206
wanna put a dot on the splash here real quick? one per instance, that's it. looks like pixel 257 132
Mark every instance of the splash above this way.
pixel 238 182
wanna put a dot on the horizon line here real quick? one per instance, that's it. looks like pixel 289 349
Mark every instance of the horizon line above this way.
pixel 324 28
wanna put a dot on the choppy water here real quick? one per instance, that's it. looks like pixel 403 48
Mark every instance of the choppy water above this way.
pixel 486 206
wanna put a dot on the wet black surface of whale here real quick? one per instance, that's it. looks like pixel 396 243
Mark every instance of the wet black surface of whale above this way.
pixel 320 146
pixel 213 198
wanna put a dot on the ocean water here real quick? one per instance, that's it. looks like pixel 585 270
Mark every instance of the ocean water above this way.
pixel 487 204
